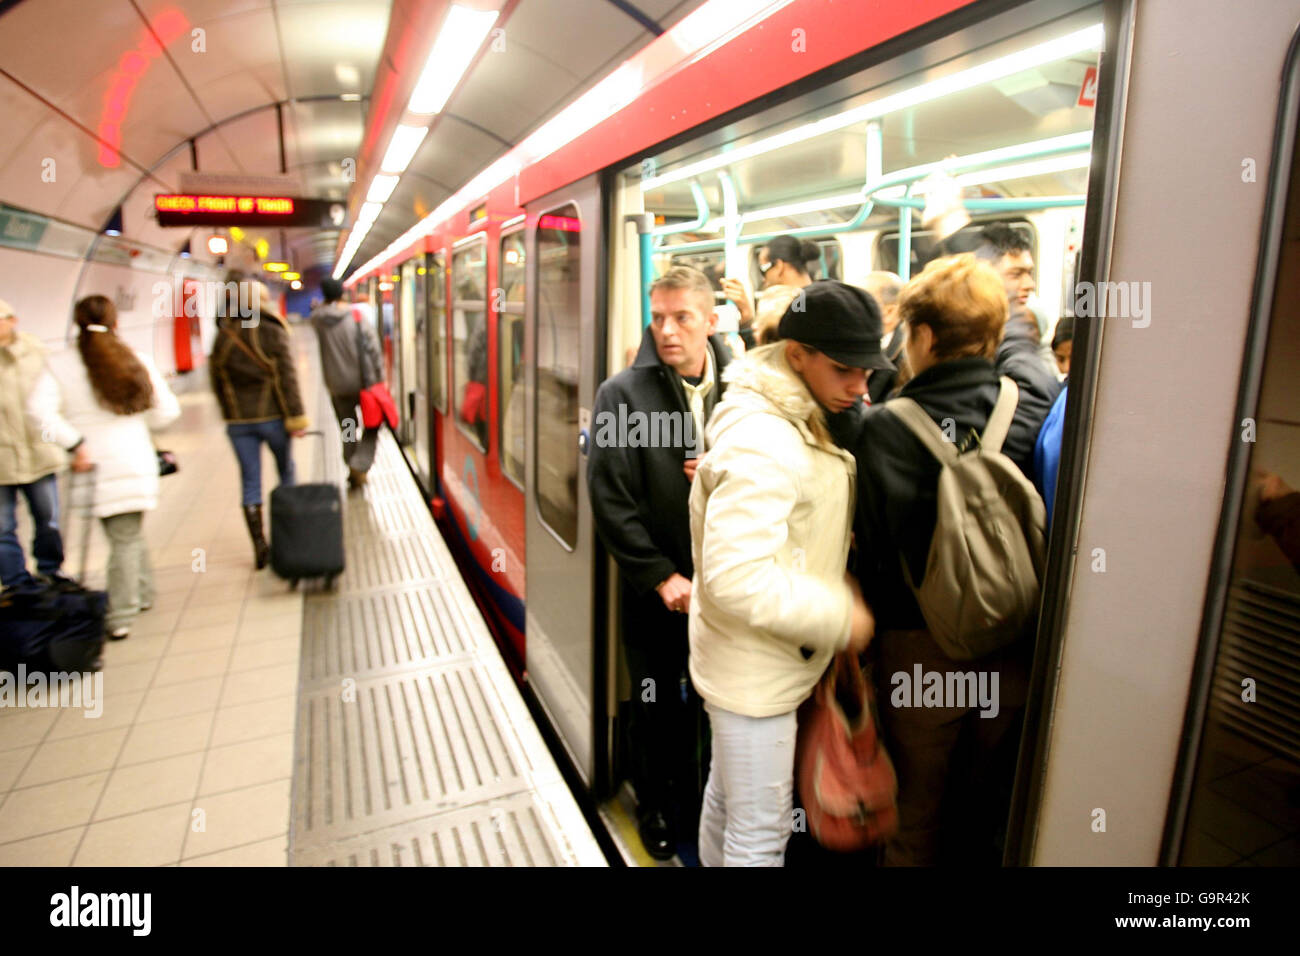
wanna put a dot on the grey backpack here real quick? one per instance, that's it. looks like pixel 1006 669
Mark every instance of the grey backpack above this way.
pixel 981 584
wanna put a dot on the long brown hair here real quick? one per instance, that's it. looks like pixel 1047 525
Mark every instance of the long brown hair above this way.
pixel 118 379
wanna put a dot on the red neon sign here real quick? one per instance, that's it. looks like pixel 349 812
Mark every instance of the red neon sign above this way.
pixel 261 205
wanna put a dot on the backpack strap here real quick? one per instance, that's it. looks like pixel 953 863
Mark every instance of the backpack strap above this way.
pixel 923 427
pixel 999 423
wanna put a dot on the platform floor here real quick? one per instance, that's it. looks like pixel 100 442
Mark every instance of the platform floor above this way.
pixel 247 724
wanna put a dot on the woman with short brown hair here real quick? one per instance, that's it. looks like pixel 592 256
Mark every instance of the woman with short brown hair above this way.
pixel 954 763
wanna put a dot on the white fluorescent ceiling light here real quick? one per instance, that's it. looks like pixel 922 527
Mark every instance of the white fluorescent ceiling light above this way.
pixel 401 148
pixel 369 212
pixel 461 35
pixel 381 187
pixel 1089 38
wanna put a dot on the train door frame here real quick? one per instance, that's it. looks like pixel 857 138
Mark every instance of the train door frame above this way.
pixel 421 421
pixel 407 324
pixel 1250 402
pixel 562 578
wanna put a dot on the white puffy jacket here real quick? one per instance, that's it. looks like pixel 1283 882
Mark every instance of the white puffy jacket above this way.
pixel 771 513
pixel 63 407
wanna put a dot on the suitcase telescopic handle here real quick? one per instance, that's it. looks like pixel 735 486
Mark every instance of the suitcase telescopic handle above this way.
pixel 87 480
pixel 321 435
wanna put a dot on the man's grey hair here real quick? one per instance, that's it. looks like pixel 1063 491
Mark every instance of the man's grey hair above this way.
pixel 691 279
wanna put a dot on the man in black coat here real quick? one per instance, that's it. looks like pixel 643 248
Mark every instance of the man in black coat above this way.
pixel 647 431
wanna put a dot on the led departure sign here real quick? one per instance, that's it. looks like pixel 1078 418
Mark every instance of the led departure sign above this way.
pixel 197 210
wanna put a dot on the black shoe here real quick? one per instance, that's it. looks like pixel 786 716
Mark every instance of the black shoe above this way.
pixel 657 836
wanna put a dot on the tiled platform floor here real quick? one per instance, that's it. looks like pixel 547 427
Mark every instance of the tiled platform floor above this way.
pixel 191 760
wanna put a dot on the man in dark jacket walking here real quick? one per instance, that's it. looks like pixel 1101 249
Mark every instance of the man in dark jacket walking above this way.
pixel 648 427
pixel 340 361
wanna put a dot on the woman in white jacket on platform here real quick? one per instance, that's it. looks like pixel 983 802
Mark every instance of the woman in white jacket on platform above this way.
pixel 108 397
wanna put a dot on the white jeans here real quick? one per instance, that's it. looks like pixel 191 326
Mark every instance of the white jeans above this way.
pixel 749 800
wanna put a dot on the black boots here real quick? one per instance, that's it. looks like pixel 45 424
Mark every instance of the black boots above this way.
pixel 261 550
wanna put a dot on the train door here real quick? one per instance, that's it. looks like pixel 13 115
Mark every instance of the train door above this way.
pixel 563 242
pixel 429 291
pixel 409 323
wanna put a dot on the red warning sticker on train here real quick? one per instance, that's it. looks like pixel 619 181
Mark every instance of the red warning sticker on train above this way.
pixel 1088 91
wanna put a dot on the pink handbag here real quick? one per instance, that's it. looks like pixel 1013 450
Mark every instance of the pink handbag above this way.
pixel 845 776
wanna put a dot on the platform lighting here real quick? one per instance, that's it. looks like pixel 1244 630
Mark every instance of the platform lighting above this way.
pixel 218 246
pixel 295 284
pixel 350 97
pixel 401 148
pixel 461 35
pixel 290 276
pixel 276 266
pixel 1089 38
pixel 381 187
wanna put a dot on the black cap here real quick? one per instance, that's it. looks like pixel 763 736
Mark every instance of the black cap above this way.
pixel 839 319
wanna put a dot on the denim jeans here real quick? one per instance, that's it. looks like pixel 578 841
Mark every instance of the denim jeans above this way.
pixel 749 800
pixel 43 501
pixel 247 439
pixel 130 574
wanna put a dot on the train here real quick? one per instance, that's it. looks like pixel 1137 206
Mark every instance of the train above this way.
pixel 1143 146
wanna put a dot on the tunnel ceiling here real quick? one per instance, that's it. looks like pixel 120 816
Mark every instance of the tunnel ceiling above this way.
pixel 102 99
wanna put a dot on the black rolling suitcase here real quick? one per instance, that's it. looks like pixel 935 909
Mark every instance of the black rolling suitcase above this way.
pixel 307 531
pixel 60 628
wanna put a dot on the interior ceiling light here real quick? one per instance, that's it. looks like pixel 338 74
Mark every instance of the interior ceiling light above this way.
pixel 381 187
pixel 461 35
pixel 1089 38
pixel 401 148
pixel 369 212
pixel 350 97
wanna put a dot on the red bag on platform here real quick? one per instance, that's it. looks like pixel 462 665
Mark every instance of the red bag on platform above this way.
pixel 376 402
pixel 845 776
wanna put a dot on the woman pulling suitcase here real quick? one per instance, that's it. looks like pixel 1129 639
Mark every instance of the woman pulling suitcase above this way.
pixel 253 376
pixel 105 398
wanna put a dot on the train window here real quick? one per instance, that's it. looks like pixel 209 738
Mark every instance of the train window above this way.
pixel 509 302
pixel 1244 807
pixel 559 357
pixel 1005 123
pixel 469 374
pixel 437 296
pixel 926 246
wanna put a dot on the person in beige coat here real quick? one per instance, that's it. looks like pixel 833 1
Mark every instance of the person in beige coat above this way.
pixel 28 465
pixel 771 512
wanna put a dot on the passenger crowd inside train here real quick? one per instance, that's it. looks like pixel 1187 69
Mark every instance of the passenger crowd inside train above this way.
pixel 810 564
pixel 813 564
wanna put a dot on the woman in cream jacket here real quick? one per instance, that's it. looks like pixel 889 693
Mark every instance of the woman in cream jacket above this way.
pixel 771 512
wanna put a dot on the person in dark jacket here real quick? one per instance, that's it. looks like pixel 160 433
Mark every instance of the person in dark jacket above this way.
pixel 252 373
pixel 648 427
pixel 954 763
pixel 341 367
